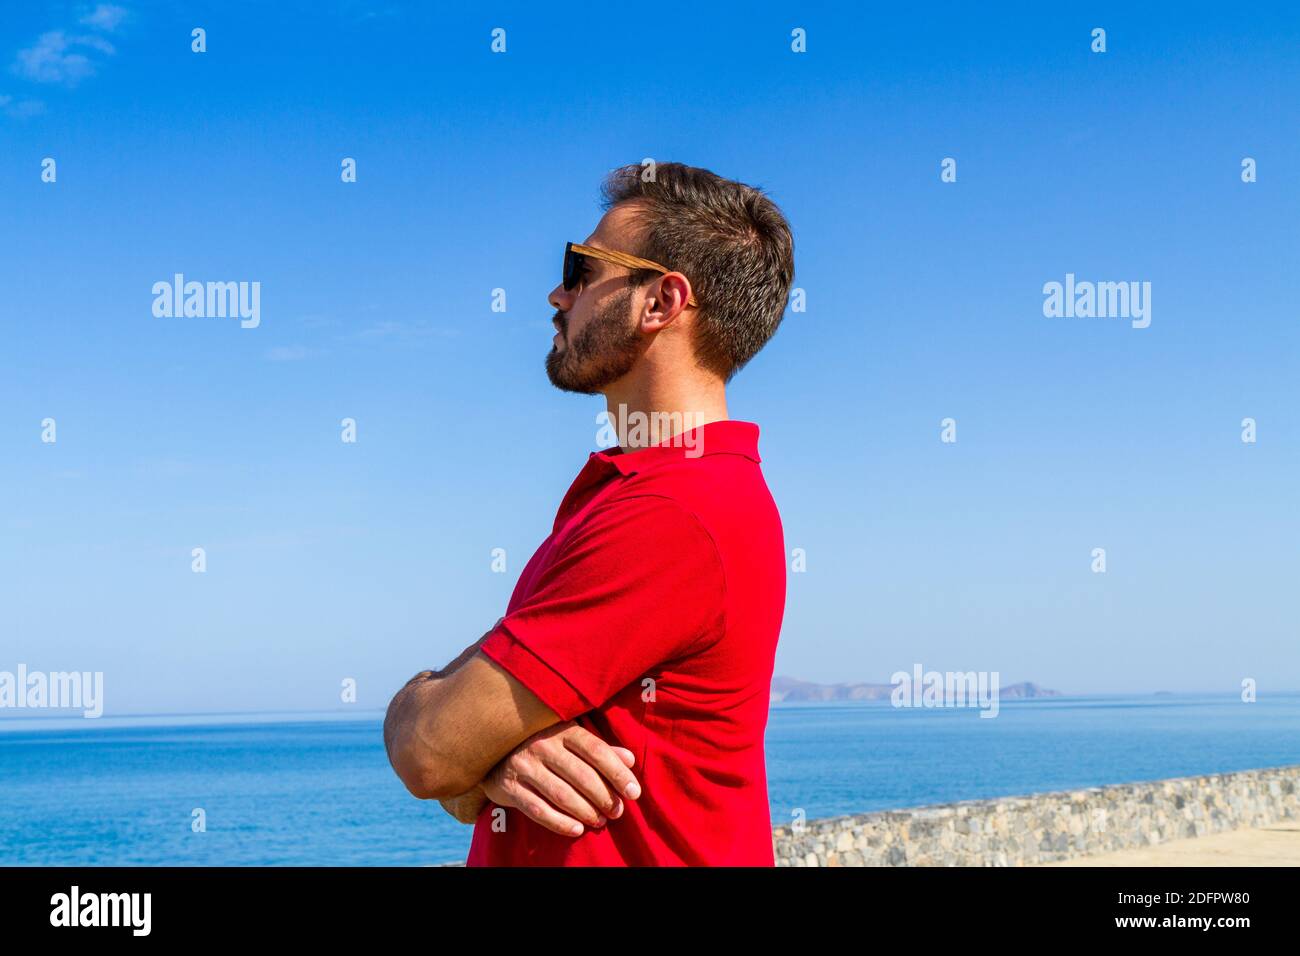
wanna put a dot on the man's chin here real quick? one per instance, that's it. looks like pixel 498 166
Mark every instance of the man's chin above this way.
pixel 576 388
pixel 565 382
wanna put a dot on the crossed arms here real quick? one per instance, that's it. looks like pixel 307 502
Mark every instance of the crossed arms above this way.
pixel 472 732
pixel 594 616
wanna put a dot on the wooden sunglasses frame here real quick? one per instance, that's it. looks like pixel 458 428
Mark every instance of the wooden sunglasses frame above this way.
pixel 622 259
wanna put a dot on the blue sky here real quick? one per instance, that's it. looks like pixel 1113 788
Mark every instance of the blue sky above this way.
pixel 924 301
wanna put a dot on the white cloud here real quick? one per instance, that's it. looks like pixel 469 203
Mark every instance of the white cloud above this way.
pixel 94 42
pixel 104 17
pixel 54 59
pixel 57 57
pixel 20 109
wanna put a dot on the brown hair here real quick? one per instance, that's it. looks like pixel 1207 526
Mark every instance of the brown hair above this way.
pixel 729 239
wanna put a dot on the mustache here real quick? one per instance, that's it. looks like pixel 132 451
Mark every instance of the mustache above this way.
pixel 561 323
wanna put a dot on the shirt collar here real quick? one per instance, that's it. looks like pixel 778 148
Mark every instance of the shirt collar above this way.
pixel 728 437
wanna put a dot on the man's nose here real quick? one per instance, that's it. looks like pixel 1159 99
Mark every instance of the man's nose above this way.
pixel 561 298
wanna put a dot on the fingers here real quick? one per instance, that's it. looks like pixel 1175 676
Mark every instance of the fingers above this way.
pixel 602 757
pixel 528 783
pixel 571 787
pixel 563 778
pixel 580 776
pixel 537 808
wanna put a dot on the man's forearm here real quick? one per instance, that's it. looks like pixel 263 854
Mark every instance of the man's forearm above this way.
pixel 402 711
pixel 466 806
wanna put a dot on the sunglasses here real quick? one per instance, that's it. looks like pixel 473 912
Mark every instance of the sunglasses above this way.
pixel 576 254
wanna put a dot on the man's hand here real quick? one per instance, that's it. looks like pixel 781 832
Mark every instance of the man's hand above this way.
pixel 561 777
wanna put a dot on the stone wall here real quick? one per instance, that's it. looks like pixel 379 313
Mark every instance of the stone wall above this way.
pixel 1044 827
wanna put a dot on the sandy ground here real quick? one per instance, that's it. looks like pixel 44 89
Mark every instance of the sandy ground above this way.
pixel 1275 845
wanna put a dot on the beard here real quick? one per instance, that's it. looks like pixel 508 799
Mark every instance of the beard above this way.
pixel 603 352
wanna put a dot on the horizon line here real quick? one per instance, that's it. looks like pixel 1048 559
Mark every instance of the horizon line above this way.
pixel 15 713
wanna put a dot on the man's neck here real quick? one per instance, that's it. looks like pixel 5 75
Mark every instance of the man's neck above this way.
pixel 649 415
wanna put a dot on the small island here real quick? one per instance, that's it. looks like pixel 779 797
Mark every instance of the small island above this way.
pixel 793 690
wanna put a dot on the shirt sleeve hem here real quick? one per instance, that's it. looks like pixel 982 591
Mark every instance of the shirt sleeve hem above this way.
pixel 545 683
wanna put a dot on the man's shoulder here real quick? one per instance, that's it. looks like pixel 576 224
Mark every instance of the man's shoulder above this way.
pixel 717 484
pixel 728 500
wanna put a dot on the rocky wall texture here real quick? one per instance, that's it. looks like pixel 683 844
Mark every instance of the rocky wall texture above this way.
pixel 1045 827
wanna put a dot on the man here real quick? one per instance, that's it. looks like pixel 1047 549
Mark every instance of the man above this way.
pixel 627 686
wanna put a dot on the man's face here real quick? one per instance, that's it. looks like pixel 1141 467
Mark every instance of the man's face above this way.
pixel 597 340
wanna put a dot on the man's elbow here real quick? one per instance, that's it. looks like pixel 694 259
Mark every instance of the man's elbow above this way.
pixel 426 782
pixel 417 765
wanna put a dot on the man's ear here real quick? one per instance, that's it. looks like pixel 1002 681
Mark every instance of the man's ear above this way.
pixel 667 299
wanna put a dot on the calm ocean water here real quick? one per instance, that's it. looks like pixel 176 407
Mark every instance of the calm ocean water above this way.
pixel 320 792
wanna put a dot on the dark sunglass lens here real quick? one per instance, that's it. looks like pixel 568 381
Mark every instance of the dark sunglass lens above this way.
pixel 568 268
pixel 572 269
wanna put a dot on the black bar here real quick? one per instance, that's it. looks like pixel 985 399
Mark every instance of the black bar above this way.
pixel 440 904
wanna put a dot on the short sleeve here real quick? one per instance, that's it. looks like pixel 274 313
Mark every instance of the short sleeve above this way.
pixel 639 583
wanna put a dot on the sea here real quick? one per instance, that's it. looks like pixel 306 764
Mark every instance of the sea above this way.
pixel 317 790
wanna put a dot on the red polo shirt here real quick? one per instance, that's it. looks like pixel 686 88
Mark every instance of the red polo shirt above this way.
pixel 651 615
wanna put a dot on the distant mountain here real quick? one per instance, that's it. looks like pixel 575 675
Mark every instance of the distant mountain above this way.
pixel 800 691
pixel 1026 690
